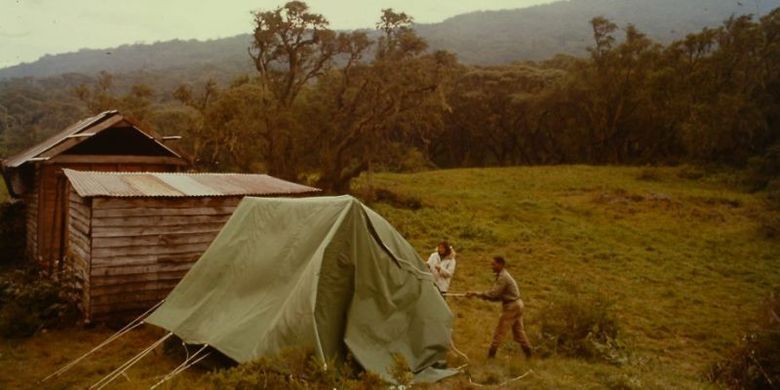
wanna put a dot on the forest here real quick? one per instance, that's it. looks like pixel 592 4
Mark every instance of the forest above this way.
pixel 476 38
pixel 323 106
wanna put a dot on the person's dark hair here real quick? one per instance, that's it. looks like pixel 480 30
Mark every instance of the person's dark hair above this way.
pixel 447 248
pixel 499 260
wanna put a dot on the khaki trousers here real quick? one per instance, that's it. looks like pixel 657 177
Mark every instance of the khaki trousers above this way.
pixel 511 317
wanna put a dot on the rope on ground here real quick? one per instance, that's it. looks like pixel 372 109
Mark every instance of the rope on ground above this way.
pixel 121 332
pixel 462 369
pixel 187 363
pixel 103 382
pixel 504 383
pixel 454 348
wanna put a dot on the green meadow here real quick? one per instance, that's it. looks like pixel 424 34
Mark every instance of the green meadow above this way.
pixel 683 261
pixel 681 258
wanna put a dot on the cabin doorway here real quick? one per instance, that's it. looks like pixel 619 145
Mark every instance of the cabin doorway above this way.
pixel 52 229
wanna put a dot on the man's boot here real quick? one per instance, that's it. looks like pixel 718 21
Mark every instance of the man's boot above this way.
pixel 528 351
pixel 492 352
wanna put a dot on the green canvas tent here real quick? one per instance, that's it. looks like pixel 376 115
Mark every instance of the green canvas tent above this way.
pixel 326 273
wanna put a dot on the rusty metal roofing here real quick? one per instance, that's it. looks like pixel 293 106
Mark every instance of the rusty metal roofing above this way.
pixel 78 131
pixel 156 184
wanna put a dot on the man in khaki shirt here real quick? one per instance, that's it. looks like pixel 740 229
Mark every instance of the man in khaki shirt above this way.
pixel 505 291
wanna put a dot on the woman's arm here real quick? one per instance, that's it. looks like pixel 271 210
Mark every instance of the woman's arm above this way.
pixel 447 269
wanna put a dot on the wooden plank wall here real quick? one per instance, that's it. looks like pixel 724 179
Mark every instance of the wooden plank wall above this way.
pixel 79 246
pixel 31 200
pixel 49 224
pixel 142 247
pixel 49 231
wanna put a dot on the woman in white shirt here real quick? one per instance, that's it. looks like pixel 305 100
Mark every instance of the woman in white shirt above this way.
pixel 442 266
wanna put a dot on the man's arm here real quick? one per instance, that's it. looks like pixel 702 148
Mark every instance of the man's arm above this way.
pixel 494 293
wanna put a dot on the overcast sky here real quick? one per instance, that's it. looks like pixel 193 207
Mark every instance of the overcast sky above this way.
pixel 32 28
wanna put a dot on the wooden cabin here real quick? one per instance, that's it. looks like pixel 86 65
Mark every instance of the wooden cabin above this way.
pixel 133 236
pixel 108 141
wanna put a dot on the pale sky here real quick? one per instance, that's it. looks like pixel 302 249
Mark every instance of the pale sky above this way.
pixel 32 28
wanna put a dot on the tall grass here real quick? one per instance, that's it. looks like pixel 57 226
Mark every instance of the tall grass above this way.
pixel 678 257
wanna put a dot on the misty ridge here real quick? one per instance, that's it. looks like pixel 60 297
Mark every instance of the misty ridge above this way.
pixel 478 38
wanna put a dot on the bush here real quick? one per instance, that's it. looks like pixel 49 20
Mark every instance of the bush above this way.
pixel 764 169
pixel 383 195
pixel 295 368
pixel 574 326
pixel 12 232
pixel 29 303
pixel 755 362
pixel 773 194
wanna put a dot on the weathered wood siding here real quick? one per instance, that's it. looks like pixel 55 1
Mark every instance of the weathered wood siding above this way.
pixel 31 202
pixel 142 247
pixel 49 210
pixel 49 218
pixel 79 246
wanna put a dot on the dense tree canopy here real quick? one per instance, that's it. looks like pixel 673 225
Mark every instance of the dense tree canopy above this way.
pixel 325 106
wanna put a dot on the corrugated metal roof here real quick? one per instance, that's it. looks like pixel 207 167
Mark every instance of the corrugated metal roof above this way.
pixel 73 131
pixel 155 184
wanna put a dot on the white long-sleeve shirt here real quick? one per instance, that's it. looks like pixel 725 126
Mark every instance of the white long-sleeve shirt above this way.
pixel 443 275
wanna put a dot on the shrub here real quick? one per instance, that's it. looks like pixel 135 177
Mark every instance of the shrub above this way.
pixel 383 195
pixel 12 232
pixel 773 194
pixel 764 169
pixel 755 362
pixel 575 326
pixel 29 303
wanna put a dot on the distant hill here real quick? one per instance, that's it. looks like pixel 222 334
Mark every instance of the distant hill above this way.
pixel 540 32
pixel 490 37
pixel 227 55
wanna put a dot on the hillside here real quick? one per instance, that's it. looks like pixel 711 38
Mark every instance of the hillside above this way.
pixel 682 260
pixel 542 31
pixel 493 37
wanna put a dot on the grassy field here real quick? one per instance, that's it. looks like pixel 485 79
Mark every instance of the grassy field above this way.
pixel 683 260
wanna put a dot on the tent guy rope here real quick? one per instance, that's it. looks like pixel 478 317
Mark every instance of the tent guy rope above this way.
pixel 187 363
pixel 121 332
pixel 125 366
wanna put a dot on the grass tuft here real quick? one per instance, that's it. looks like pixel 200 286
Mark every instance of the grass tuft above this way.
pixel 755 362
pixel 577 325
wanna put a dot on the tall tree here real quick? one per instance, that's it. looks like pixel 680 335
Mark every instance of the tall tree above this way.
pixel 366 110
pixel 291 48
